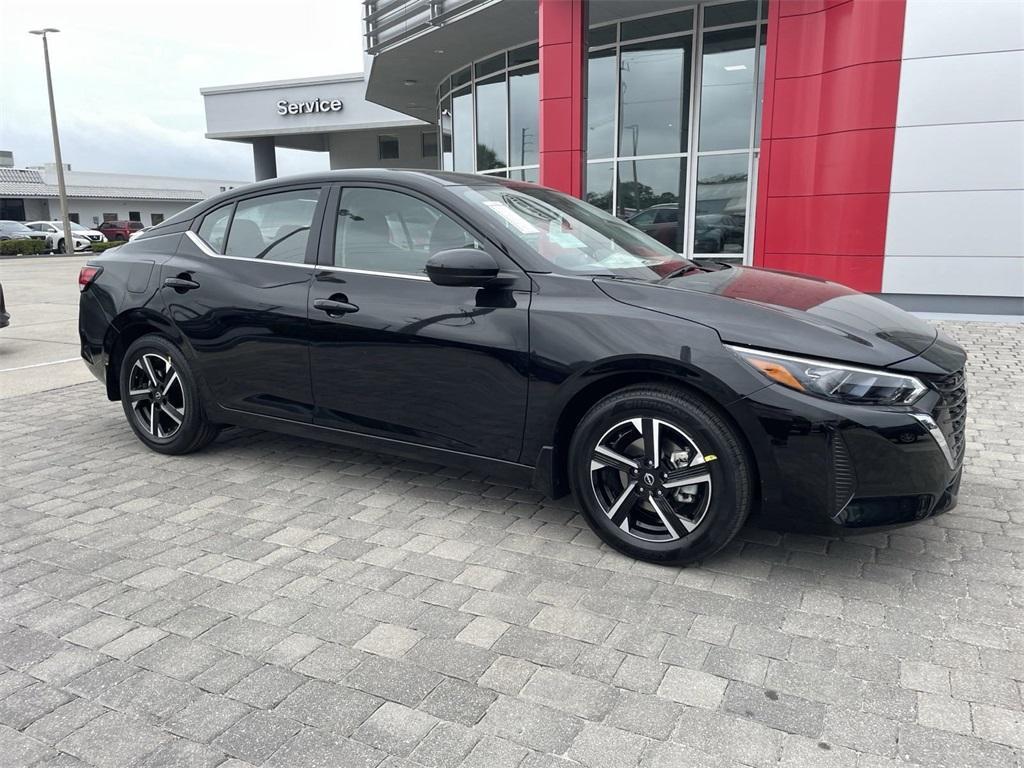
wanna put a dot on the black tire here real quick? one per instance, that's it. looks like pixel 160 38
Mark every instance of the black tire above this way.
pixel 708 435
pixel 60 246
pixel 193 431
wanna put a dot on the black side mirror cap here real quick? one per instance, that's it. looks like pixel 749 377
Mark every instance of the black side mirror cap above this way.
pixel 465 267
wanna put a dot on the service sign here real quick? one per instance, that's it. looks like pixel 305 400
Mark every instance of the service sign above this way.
pixel 311 107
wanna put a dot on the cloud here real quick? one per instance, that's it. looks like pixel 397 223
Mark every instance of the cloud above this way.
pixel 132 105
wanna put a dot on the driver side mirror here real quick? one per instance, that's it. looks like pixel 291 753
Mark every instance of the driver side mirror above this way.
pixel 465 267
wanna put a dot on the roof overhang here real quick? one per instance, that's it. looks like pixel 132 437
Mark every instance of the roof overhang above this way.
pixel 405 76
pixel 299 114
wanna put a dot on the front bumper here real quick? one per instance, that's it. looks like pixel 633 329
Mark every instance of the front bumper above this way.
pixel 840 468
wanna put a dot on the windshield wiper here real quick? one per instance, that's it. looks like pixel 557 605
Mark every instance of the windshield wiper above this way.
pixel 684 270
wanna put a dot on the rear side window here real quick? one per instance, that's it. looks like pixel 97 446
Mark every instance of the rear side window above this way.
pixel 273 227
pixel 214 228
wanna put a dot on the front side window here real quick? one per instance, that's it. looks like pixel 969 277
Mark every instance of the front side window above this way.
pixel 572 235
pixel 383 231
pixel 273 227
pixel 214 228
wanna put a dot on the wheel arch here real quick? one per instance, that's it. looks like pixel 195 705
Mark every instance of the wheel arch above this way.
pixel 124 330
pixel 610 377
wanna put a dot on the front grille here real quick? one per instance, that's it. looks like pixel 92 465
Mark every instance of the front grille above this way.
pixel 951 412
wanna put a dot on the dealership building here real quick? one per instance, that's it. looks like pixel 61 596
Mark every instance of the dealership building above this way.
pixel 878 143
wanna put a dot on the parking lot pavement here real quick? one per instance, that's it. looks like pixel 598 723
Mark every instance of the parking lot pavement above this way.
pixel 283 603
pixel 39 350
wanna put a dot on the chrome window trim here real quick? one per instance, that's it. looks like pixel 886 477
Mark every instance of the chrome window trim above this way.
pixel 203 246
pixel 373 273
pixel 208 251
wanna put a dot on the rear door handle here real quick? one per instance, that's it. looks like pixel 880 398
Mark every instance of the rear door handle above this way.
pixel 334 308
pixel 180 283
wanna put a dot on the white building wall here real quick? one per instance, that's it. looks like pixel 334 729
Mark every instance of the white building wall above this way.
pixel 956 212
pixel 208 187
pixel 358 149
pixel 90 212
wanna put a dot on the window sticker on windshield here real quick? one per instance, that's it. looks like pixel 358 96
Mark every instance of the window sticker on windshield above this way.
pixel 564 239
pixel 513 218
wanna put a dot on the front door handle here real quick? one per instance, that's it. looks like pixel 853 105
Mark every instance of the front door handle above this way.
pixel 180 283
pixel 335 308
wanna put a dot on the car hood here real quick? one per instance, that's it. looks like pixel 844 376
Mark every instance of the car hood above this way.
pixel 783 312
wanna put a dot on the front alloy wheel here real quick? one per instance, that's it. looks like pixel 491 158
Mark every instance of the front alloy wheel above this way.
pixel 651 479
pixel 156 395
pixel 660 474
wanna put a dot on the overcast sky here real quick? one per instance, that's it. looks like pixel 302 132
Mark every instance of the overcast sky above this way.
pixel 127 76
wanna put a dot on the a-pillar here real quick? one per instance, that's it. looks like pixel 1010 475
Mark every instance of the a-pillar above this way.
pixel 563 105
pixel 264 158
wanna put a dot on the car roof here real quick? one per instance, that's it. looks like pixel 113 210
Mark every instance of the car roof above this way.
pixel 410 177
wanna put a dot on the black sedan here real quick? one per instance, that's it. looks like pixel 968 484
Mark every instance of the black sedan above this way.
pixel 512 329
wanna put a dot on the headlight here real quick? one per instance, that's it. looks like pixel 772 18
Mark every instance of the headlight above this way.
pixel 834 381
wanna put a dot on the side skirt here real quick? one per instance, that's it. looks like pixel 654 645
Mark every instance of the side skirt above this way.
pixel 519 474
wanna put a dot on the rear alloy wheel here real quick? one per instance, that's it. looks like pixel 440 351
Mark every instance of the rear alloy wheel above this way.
pixel 161 399
pixel 660 474
pixel 156 396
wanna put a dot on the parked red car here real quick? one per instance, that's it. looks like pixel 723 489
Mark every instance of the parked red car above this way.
pixel 119 230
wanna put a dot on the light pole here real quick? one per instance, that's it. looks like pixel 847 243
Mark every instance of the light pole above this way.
pixel 69 246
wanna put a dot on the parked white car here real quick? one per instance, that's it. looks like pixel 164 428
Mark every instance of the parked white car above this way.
pixel 82 237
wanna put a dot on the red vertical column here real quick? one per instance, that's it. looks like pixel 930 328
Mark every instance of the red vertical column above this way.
pixel 563 113
pixel 832 75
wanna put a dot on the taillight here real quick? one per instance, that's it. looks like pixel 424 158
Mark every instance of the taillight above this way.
pixel 86 275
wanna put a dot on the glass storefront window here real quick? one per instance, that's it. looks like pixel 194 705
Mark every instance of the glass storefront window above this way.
pixel 599 185
pixel 601 104
pixel 651 195
pixel 523 116
pixel 488 66
pixel 523 55
pixel 447 158
pixel 721 204
pixel 462 130
pixel 680 174
pixel 665 24
pixel 760 86
pixel 462 77
pixel 491 124
pixel 654 88
pixel 730 13
pixel 531 175
pixel 727 88
pixel 602 35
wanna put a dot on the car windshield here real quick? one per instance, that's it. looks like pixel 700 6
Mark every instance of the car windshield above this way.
pixel 76 227
pixel 574 236
pixel 16 227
